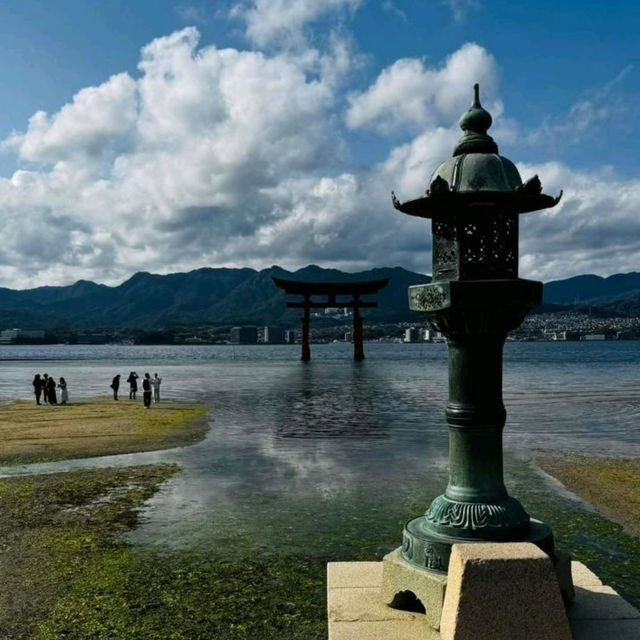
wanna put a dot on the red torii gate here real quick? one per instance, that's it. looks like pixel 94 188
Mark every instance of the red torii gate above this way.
pixel 332 290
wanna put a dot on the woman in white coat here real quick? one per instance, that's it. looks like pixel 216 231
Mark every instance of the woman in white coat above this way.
pixel 64 393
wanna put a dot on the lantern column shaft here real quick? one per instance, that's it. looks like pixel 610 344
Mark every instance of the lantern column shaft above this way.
pixel 476 418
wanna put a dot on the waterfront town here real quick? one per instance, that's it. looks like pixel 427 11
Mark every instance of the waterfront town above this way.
pixel 558 326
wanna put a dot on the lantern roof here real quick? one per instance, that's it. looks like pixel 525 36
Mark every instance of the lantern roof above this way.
pixel 477 176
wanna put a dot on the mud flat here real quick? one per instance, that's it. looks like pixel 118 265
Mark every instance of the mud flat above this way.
pixel 32 433
pixel 609 484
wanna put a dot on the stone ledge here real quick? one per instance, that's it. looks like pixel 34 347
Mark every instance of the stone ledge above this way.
pixel 593 616
pixel 583 576
pixel 601 603
pixel 354 604
pixel 346 575
pixel 383 630
pixel 502 592
pixel 596 630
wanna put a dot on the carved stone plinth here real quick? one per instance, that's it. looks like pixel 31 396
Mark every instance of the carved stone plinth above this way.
pixel 403 583
pixel 502 592
pixel 357 610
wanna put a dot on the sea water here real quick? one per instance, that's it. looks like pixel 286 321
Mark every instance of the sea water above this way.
pixel 299 451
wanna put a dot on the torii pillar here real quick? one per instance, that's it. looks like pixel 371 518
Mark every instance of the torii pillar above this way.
pixel 306 320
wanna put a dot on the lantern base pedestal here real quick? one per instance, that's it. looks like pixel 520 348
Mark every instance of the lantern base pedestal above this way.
pixel 426 547
pixel 404 582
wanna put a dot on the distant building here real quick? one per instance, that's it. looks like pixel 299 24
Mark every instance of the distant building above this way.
pixel 412 335
pixel 9 336
pixel 244 335
pixel 566 336
pixel 290 336
pixel 591 337
pixel 272 335
pixel 348 336
pixel 429 335
pixel 337 313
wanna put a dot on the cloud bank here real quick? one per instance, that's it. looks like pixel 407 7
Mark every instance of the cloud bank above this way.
pixel 227 157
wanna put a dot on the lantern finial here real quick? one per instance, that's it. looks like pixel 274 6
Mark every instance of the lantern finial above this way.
pixel 476 96
pixel 475 123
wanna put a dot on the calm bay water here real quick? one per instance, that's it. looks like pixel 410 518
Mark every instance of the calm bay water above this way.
pixel 296 451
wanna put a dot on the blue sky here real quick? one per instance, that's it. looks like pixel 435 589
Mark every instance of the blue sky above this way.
pixel 259 132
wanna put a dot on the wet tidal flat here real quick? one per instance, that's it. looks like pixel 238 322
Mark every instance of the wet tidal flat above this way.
pixel 99 427
pixel 68 571
pixel 305 464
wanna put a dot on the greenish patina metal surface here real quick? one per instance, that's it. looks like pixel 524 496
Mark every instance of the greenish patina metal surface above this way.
pixel 475 299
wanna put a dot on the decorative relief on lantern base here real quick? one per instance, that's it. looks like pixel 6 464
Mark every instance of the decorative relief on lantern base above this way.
pixel 477 519
pixel 428 546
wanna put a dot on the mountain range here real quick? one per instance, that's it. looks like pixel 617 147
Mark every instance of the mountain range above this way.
pixel 246 296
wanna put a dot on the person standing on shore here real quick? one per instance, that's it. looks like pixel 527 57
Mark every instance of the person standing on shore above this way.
pixel 155 383
pixel 37 387
pixel 64 393
pixel 133 385
pixel 51 386
pixel 115 385
pixel 45 388
pixel 146 390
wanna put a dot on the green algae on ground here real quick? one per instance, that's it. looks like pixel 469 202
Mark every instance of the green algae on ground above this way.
pixel 610 485
pixel 32 433
pixel 68 574
pixel 53 527
pixel 128 594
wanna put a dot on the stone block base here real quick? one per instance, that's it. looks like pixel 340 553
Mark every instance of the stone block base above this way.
pixel 402 584
pixel 357 611
pixel 502 592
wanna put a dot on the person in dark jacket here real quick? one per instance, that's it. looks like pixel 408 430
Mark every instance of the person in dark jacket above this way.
pixel 37 387
pixel 133 385
pixel 115 385
pixel 146 390
pixel 51 387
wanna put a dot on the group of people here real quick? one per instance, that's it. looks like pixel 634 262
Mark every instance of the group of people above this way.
pixel 45 386
pixel 149 385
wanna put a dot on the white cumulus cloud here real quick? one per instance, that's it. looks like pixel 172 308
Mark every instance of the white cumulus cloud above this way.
pixel 94 123
pixel 222 157
pixel 169 169
pixel 410 95
pixel 283 21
